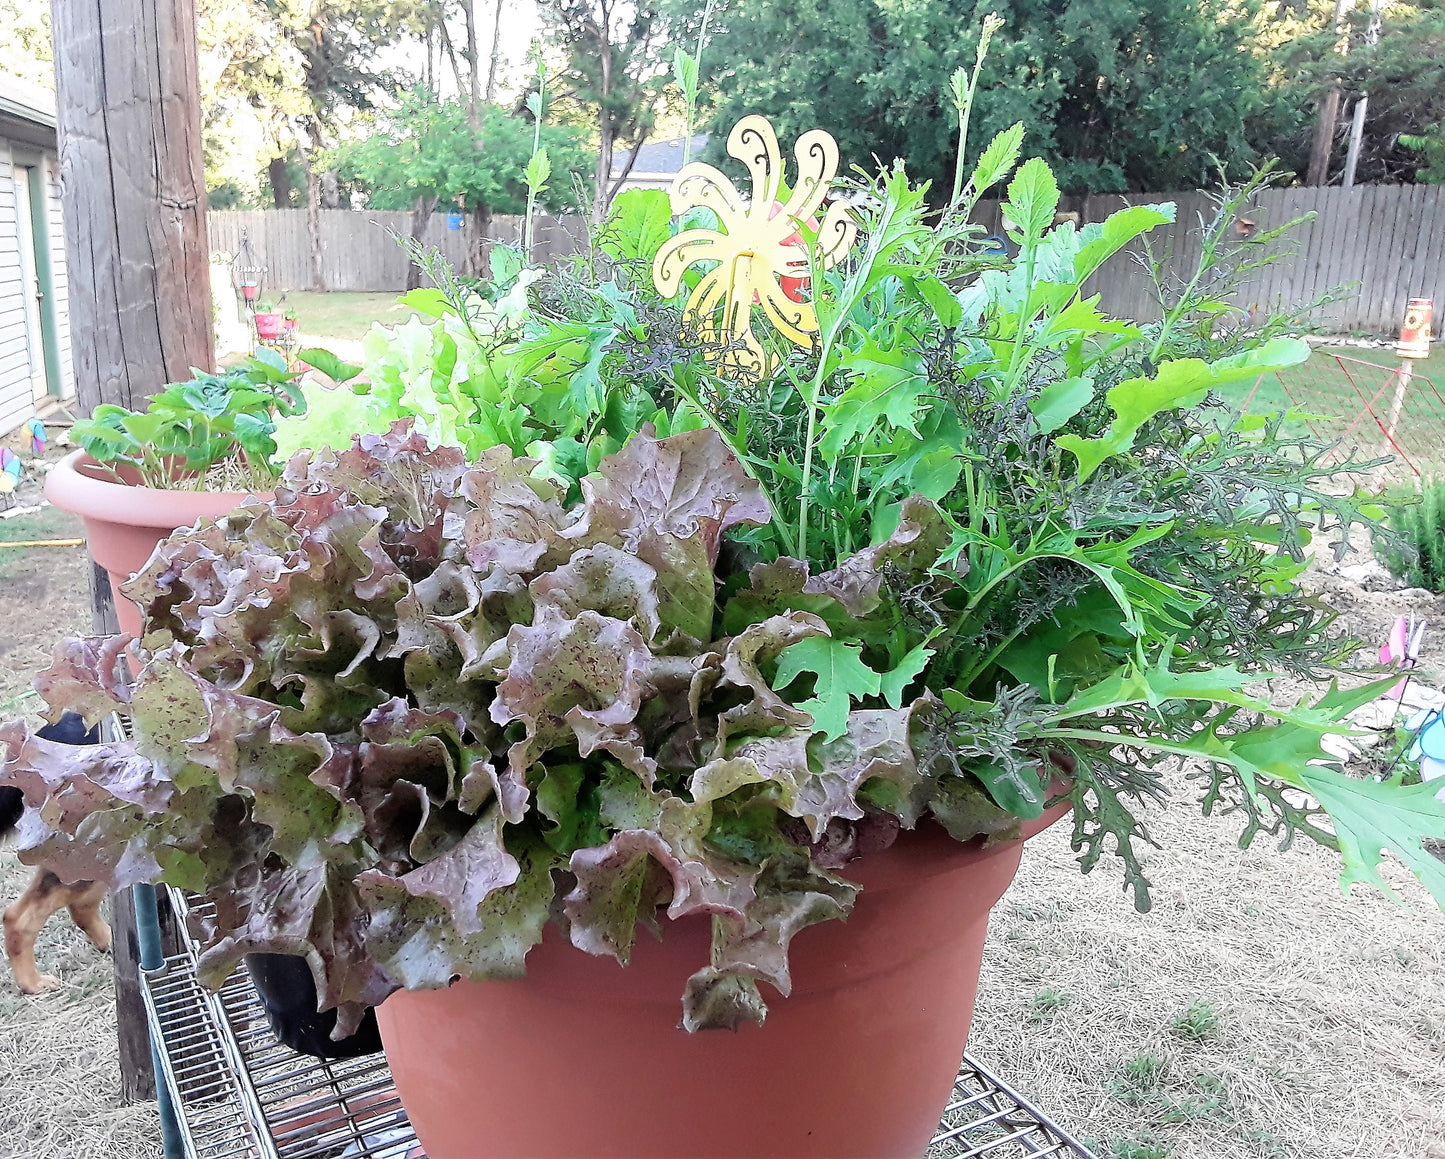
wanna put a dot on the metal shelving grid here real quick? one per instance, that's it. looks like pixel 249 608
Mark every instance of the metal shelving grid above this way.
pixel 239 1094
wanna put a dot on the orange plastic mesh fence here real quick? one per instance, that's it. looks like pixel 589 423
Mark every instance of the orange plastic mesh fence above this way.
pixel 1371 410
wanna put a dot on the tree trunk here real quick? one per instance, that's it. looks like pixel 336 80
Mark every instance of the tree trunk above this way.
pixel 134 196
pixel 1318 172
pixel 313 226
pixel 309 153
pixel 474 88
pixel 280 182
pixel 496 54
pixel 451 54
pixel 480 231
pixel 133 191
pixel 420 218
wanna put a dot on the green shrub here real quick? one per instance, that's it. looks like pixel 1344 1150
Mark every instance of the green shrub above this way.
pixel 1418 555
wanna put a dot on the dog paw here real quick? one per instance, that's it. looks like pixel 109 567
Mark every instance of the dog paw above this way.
pixel 42 983
pixel 100 939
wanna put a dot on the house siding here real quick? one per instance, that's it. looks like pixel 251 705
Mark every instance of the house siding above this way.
pixel 16 404
pixel 17 375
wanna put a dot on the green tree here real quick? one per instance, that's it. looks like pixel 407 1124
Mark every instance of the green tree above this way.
pixel 25 41
pixel 1116 94
pixel 612 50
pixel 424 155
pixel 1403 72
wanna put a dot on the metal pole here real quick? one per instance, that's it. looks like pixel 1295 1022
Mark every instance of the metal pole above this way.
pixel 152 957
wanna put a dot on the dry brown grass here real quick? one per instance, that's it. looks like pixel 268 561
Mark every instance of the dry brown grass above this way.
pixel 58 1069
pixel 1331 1034
pixel 59 1082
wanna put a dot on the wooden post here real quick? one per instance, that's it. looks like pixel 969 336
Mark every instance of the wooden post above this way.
pixel 134 200
pixel 134 195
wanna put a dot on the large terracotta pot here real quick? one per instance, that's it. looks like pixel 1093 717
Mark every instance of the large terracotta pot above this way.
pixel 125 521
pixel 584 1058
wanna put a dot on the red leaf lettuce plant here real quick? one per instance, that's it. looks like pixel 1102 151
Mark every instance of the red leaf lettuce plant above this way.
pixel 394 719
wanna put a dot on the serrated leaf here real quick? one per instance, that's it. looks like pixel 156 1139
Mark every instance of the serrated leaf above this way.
pixel 538 170
pixel 840 676
pixel 1033 198
pixel 889 389
pixel 639 222
pixel 1371 817
pixel 684 68
pixel 1102 240
pixel 996 160
pixel 1181 383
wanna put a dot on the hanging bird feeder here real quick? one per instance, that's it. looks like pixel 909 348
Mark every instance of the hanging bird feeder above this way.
pixel 247 272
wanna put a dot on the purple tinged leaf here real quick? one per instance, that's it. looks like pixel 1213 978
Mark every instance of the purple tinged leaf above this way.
pixel 617 884
pixel 922 535
pixel 515 520
pixel 313 912
pixel 686 486
pixel 667 502
pixel 463 876
pixel 762 643
pixel 606 580
pixel 415 941
pixel 724 993
pixel 609 898
pixel 88 675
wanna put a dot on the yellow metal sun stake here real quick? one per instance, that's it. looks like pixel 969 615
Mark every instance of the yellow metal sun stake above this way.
pixel 762 259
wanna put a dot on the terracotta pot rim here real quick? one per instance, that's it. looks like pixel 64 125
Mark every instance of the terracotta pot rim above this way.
pixel 80 485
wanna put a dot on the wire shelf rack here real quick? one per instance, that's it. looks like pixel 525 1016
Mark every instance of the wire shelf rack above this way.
pixel 240 1094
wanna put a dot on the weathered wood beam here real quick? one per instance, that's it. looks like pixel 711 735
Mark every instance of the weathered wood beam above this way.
pixel 134 195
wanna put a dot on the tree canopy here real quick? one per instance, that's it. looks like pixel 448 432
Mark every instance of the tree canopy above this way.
pixel 426 151
pixel 1115 94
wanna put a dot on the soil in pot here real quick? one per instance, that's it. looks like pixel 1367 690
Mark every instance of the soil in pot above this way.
pixel 585 1057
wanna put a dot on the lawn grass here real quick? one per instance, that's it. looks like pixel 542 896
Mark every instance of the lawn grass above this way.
pixel 343 315
pixel 1330 381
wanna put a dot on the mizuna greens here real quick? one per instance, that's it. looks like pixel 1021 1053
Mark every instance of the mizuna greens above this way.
pixel 663 639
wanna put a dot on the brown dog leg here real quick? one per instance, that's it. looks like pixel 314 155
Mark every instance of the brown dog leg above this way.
pixel 85 912
pixel 23 920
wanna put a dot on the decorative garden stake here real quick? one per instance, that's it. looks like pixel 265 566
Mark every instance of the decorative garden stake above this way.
pixel 756 244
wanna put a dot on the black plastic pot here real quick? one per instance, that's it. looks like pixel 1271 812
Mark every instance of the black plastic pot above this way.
pixel 288 993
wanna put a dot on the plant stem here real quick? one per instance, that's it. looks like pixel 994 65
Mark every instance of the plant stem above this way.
pixel 536 146
pixel 697 82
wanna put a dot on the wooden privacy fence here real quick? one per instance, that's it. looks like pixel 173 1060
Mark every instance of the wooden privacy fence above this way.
pixel 1388 240
pixel 359 247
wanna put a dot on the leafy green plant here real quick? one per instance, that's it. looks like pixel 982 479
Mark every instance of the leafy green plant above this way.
pixel 1048 1002
pixel 1418 554
pixel 1142 1146
pixel 1197 1022
pixel 193 428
